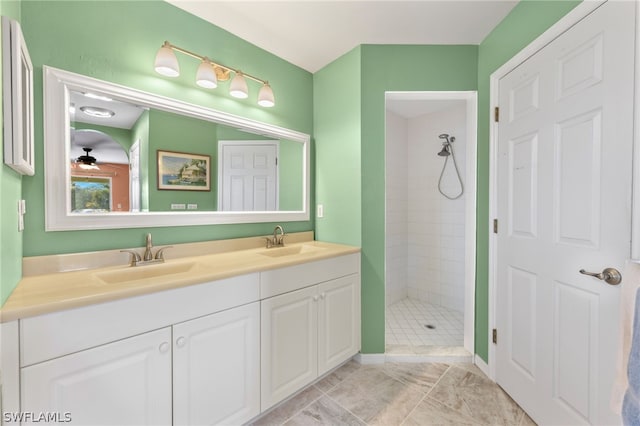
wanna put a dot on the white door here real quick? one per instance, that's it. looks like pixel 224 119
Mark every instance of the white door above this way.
pixel 134 177
pixel 289 334
pixel 122 383
pixel 216 368
pixel 564 185
pixel 248 173
pixel 338 322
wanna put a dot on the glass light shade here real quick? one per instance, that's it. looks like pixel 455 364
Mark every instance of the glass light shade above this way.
pixel 265 96
pixel 238 88
pixel 88 166
pixel 206 75
pixel 166 62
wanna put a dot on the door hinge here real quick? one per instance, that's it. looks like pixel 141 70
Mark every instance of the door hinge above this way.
pixel 495 226
pixel 276 161
pixel 494 336
pixel 496 114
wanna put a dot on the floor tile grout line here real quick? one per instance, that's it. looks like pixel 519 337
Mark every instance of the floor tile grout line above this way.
pixel 346 409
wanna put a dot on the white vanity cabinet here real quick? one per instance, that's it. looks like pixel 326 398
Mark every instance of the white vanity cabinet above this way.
pixel 125 382
pixel 182 356
pixel 308 331
pixel 219 352
pixel 216 368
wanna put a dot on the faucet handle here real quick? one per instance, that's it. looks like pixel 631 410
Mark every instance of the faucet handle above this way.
pixel 135 257
pixel 160 252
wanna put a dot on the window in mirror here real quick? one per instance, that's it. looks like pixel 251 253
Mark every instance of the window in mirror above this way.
pixel 91 194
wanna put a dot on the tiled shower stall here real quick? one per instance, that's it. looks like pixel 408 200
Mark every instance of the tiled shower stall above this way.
pixel 425 231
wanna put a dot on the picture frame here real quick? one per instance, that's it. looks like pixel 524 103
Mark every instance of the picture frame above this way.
pixel 181 171
pixel 17 99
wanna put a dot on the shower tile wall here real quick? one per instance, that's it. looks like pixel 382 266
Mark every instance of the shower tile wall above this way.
pixel 435 225
pixel 397 250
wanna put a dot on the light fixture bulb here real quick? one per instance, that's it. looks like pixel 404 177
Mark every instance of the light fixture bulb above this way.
pixel 265 96
pixel 166 61
pixel 238 88
pixel 88 166
pixel 206 75
pixel 97 112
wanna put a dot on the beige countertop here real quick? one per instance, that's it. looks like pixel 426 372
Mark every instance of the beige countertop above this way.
pixel 55 291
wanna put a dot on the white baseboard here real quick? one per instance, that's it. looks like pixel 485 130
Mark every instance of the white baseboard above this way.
pixel 370 358
pixel 483 366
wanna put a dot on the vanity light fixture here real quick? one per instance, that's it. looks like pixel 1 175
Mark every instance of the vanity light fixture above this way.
pixel 210 73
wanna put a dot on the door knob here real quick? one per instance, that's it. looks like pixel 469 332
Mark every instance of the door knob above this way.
pixel 609 275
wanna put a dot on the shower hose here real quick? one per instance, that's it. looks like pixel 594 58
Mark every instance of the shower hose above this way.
pixel 455 165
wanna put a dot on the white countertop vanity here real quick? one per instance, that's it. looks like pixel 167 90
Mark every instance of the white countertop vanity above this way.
pixel 215 338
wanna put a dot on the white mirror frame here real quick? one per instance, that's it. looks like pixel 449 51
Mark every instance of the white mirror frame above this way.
pixel 58 217
pixel 17 87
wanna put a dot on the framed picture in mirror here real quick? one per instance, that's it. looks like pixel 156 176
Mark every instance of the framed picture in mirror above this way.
pixel 17 98
pixel 183 171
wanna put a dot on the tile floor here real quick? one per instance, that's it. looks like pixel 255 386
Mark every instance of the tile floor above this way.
pixel 407 321
pixel 400 394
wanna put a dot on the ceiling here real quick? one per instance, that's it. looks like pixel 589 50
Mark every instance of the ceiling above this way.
pixel 313 33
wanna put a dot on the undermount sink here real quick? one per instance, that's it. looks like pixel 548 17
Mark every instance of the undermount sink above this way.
pixel 144 272
pixel 290 250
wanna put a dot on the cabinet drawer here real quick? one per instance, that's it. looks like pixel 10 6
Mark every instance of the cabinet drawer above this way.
pixel 279 281
pixel 60 333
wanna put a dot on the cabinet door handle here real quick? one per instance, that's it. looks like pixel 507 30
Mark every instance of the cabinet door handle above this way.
pixel 315 298
pixel 181 341
pixel 322 296
pixel 164 347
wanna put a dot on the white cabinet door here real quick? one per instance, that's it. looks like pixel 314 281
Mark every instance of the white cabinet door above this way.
pixel 289 329
pixel 338 322
pixel 122 383
pixel 216 368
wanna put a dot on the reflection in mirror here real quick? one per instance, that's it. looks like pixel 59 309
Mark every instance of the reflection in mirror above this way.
pixel 107 136
pixel 106 141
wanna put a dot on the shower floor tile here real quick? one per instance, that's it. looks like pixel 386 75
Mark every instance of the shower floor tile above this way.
pixel 417 323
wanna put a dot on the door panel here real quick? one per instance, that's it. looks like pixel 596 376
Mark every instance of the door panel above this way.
pixel 563 188
pixel 248 176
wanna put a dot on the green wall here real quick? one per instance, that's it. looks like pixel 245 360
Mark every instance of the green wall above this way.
pixel 394 68
pixel 172 132
pixel 337 134
pixel 10 193
pixel 349 117
pixel 117 41
pixel 526 22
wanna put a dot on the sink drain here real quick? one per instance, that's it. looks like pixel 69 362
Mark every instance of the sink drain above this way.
pixel 430 326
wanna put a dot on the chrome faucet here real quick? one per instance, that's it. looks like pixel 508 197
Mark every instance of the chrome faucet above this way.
pixel 276 241
pixel 147 258
pixel 148 254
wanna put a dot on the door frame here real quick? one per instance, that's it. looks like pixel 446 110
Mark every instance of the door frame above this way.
pixel 471 102
pixel 570 19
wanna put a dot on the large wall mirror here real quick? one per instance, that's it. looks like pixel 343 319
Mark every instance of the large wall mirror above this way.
pixel 117 157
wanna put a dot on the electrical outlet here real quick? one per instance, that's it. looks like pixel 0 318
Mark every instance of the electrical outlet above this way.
pixel 192 207
pixel 320 212
pixel 177 206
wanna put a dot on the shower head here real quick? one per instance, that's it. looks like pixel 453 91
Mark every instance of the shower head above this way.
pixel 445 150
